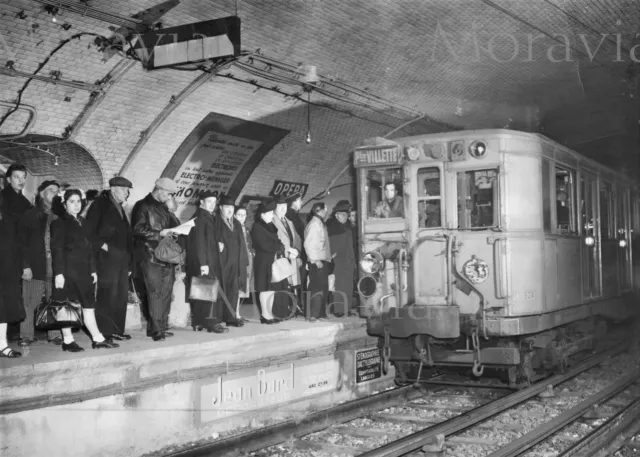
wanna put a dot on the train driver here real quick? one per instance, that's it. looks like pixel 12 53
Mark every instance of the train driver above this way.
pixel 563 212
pixel 392 205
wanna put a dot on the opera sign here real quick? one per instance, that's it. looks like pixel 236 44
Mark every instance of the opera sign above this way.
pixel 476 270
pixel 288 189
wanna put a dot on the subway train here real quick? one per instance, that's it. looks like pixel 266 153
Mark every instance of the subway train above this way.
pixel 492 249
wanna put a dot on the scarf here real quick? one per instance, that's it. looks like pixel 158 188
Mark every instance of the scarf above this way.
pixel 334 227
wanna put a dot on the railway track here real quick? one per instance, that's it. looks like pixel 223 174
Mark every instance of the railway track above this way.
pixel 410 421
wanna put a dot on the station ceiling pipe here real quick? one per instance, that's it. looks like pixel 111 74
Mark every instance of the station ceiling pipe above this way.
pixel 30 124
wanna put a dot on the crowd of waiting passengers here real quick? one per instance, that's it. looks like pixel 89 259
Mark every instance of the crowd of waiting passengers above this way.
pixel 69 245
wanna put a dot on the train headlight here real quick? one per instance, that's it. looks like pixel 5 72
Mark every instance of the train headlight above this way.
pixel 477 149
pixel 622 243
pixel 372 262
pixel 589 240
pixel 367 286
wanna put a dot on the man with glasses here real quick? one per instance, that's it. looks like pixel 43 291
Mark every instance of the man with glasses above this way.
pixel 151 221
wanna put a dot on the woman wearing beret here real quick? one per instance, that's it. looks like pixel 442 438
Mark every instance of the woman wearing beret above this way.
pixel 245 283
pixel 266 245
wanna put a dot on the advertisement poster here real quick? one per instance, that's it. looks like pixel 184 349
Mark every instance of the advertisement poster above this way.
pixel 219 155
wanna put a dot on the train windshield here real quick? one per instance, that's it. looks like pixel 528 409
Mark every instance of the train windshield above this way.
pixel 477 197
pixel 385 197
pixel 429 198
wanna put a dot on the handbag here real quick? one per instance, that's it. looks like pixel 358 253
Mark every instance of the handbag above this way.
pixel 169 251
pixel 281 269
pixel 204 288
pixel 56 315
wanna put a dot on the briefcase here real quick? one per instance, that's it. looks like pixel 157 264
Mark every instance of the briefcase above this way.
pixel 204 288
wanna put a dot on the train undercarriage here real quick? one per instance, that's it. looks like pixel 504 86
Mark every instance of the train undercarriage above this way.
pixel 518 360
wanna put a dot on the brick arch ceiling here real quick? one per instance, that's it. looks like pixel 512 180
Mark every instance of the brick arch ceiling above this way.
pixel 76 165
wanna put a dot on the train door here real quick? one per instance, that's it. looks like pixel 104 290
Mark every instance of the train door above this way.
pixel 608 244
pixel 622 236
pixel 590 245
pixel 432 249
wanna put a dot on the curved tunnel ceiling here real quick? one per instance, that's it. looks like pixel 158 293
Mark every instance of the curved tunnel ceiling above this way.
pixel 76 166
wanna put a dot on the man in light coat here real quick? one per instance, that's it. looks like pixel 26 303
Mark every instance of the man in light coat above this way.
pixel 316 246
pixel 291 240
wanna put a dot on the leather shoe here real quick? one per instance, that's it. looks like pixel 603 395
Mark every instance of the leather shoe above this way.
pixel 218 328
pixel 72 347
pixel 106 344
pixel 267 321
pixel 235 323
pixel 158 337
pixel 167 334
pixel 120 336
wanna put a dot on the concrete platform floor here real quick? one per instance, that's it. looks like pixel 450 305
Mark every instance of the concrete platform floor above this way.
pixel 44 352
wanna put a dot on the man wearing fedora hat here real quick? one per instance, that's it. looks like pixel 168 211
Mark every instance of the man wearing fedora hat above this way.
pixel 234 258
pixel 111 236
pixel 151 221
pixel 341 242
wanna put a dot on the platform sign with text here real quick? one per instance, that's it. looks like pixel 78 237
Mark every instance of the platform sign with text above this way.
pixel 368 365
pixel 218 155
pixel 242 392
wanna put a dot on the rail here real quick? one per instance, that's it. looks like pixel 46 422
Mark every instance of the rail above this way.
pixel 425 437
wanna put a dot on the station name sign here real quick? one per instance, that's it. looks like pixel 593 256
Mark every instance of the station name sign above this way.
pixel 378 155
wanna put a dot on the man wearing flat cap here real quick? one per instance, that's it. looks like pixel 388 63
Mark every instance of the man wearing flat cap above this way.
pixel 151 221
pixel 234 258
pixel 111 237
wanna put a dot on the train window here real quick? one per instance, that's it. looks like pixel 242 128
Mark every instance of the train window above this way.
pixel 385 193
pixel 565 201
pixel 429 202
pixel 477 196
pixel 606 211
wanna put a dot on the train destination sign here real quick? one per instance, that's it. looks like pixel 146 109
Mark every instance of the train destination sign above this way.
pixel 368 365
pixel 378 155
pixel 238 393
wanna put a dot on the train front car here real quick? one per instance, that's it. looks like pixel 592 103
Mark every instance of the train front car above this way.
pixel 482 249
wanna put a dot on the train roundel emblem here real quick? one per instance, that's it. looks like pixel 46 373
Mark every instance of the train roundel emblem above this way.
pixel 476 270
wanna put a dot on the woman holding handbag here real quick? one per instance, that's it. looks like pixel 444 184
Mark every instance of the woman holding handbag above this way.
pixel 267 246
pixel 74 269
pixel 203 261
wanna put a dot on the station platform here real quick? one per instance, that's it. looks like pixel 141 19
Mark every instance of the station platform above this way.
pixel 146 396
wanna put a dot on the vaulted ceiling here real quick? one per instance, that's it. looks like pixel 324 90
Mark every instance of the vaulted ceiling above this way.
pixel 565 68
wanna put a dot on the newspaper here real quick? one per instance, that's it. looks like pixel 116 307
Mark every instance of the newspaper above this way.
pixel 183 229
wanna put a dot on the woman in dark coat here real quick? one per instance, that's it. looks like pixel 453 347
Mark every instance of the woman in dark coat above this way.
pixel 11 310
pixel 203 259
pixel 266 244
pixel 245 283
pixel 74 269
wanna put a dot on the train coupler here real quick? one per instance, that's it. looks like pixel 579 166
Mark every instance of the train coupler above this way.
pixel 477 369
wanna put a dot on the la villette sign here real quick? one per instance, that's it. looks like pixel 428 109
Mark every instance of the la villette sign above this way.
pixel 238 393
pixel 377 155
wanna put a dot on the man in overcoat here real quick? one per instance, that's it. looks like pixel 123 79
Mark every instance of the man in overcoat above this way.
pixel 37 269
pixel 234 258
pixel 111 237
pixel 15 205
pixel 341 241
pixel 203 259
